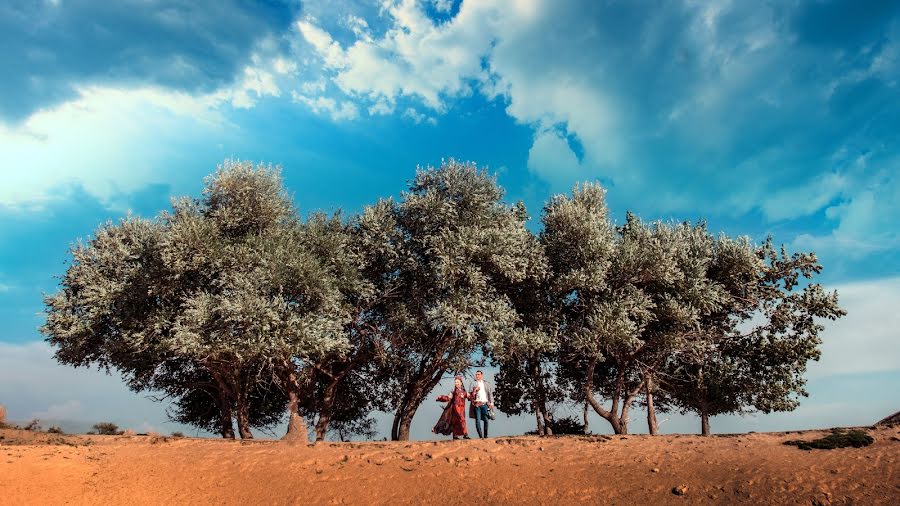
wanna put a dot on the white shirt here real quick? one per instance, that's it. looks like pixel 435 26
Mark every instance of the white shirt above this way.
pixel 481 396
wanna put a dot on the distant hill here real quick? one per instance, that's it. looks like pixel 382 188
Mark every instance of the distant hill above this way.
pixel 895 418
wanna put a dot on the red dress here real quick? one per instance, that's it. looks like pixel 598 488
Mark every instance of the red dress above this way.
pixel 453 419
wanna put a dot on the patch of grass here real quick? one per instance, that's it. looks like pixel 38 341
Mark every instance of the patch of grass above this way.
pixel 839 438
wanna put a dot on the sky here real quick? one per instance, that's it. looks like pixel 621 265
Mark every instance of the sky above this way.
pixel 776 118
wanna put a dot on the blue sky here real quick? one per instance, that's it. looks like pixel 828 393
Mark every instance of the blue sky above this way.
pixel 763 119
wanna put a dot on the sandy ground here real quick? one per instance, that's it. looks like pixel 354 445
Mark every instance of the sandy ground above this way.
pixel 37 468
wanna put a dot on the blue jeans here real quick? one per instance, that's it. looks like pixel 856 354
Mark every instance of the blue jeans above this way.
pixel 481 413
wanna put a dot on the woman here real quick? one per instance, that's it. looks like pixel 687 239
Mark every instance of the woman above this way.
pixel 453 419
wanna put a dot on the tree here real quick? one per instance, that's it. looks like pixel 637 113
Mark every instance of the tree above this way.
pixel 526 355
pixel 753 351
pixel 452 242
pixel 627 296
pixel 106 429
pixel 232 284
pixel 348 387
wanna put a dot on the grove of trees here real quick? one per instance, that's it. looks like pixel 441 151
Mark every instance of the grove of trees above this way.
pixel 245 313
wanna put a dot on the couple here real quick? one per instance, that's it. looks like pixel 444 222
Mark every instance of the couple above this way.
pixel 453 419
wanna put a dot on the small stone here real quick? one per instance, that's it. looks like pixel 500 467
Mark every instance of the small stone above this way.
pixel 654 470
pixel 680 490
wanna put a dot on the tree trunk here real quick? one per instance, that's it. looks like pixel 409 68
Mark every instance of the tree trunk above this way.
pixel 610 416
pixel 326 409
pixel 226 415
pixel 226 426
pixel 545 423
pixel 395 426
pixel 243 414
pixel 421 386
pixel 652 425
pixel 296 430
pixel 586 431
pixel 539 418
pixel 409 411
pixel 704 419
pixel 548 423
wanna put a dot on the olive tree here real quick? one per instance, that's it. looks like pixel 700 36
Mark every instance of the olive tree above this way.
pixel 452 242
pixel 233 283
pixel 752 352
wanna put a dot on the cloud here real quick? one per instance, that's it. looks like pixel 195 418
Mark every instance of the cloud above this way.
pixel 717 109
pixel 108 141
pixel 865 340
pixel 54 49
pixel 865 219
pixel 414 58
pixel 323 105
pixel 67 410
pixel 33 385
pixel 551 158
pixel 417 117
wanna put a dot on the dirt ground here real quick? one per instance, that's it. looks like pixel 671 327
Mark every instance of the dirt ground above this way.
pixel 38 468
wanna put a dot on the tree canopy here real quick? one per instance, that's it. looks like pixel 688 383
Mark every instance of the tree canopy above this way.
pixel 240 310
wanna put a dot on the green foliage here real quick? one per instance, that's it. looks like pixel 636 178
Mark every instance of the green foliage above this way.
pixel 226 287
pixel 752 352
pixel 106 429
pixel 839 438
pixel 233 306
pixel 450 244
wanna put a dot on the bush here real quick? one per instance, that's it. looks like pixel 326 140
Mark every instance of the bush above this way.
pixel 34 425
pixel 177 434
pixel 839 438
pixel 564 425
pixel 55 430
pixel 107 429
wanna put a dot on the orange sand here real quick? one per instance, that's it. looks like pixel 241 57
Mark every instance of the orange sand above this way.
pixel 38 468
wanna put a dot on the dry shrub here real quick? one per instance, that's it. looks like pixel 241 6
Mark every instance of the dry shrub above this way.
pixel 2 415
pixel 839 438
pixel 127 432
pixel 106 429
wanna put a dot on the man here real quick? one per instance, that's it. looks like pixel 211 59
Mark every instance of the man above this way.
pixel 482 400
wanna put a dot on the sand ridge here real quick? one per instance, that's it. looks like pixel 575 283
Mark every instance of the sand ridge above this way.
pixel 633 469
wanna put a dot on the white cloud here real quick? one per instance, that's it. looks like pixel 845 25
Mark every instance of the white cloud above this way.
pixel 414 58
pixel 68 410
pixel 345 110
pixel 442 5
pixel 805 200
pixel 664 108
pixel 551 158
pixel 866 339
pixel 417 117
pixel 107 141
pixel 865 219
pixel 257 81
